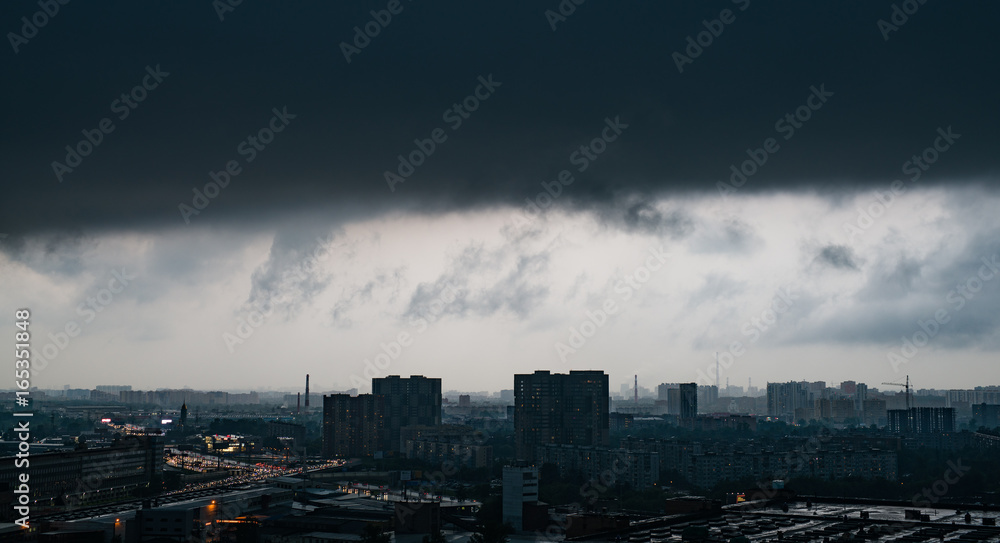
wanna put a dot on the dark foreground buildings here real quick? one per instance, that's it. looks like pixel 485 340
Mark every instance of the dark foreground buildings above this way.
pixel 352 425
pixel 413 401
pixel 85 476
pixel 560 409
pixel 362 425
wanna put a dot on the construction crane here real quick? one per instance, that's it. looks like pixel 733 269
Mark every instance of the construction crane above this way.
pixel 905 386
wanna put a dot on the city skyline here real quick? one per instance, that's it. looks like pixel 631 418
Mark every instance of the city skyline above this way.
pixel 625 390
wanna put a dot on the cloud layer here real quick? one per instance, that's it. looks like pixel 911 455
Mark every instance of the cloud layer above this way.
pixel 469 289
pixel 556 91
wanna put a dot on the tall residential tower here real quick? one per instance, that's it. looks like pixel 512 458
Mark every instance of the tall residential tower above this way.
pixel 556 408
pixel 413 401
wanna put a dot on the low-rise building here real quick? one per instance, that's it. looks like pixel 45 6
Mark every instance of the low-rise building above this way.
pixel 634 469
pixel 85 475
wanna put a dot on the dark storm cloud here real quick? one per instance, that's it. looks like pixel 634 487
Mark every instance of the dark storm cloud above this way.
pixel 837 256
pixel 58 254
pixel 556 89
pixel 645 218
pixel 293 274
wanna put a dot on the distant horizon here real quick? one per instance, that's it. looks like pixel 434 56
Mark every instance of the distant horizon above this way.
pixel 613 392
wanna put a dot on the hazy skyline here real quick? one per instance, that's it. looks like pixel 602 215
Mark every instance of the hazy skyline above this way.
pixel 593 175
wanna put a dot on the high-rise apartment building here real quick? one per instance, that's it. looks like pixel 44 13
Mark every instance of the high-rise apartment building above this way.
pixel 674 401
pixel 708 395
pixel 860 395
pixel 873 411
pixel 563 409
pixel 352 425
pixel 784 398
pixel 689 400
pixel 922 420
pixel 987 394
pixel 413 401
pixel 986 414
pixel 661 390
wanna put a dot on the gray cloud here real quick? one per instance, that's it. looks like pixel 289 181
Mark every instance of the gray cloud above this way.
pixel 644 217
pixel 482 290
pixel 902 289
pixel 353 296
pixel 837 256
pixel 292 276
pixel 733 235
pixel 577 287
pixel 893 276
pixel 717 287
pixel 57 253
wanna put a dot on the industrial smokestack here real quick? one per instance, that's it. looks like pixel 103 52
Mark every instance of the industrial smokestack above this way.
pixel 298 402
pixel 307 391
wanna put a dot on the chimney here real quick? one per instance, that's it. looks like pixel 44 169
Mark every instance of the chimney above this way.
pixel 307 391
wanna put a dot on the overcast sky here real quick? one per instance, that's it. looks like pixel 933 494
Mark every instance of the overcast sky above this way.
pixel 386 208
